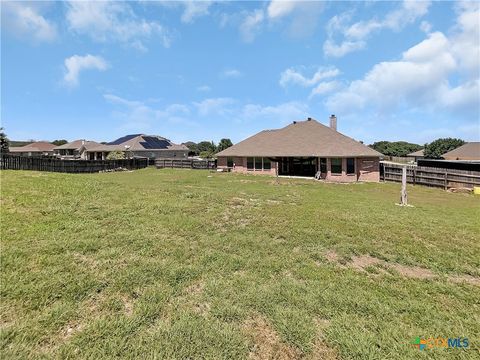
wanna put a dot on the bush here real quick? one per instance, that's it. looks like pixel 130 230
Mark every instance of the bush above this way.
pixel 116 155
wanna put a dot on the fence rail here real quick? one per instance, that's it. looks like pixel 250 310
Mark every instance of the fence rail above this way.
pixel 439 177
pixel 185 164
pixel 12 162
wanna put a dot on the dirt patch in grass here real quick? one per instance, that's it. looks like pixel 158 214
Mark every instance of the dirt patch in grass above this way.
pixel 469 279
pixel 236 214
pixel 86 260
pixel 128 305
pixel 267 343
pixel 415 272
pixel 70 330
pixel 364 263
pixel 191 299
pixel 320 349
pixel 332 256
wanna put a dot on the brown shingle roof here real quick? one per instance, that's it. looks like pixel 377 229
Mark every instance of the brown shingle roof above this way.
pixel 468 151
pixel 39 146
pixel 303 139
pixel 417 153
pixel 77 144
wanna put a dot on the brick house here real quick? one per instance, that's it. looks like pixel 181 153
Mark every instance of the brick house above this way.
pixel 139 145
pixel 304 148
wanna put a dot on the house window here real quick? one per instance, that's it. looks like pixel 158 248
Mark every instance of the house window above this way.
pixel 350 166
pixel 267 165
pixel 249 163
pixel 230 162
pixel 258 163
pixel 336 166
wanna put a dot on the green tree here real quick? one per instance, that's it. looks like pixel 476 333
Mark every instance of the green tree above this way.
pixel 192 147
pixel 224 144
pixel 437 148
pixel 206 146
pixel 59 142
pixel 4 142
pixel 116 155
pixel 395 148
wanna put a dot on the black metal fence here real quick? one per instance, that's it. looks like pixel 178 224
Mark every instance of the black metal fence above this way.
pixel 185 164
pixel 12 162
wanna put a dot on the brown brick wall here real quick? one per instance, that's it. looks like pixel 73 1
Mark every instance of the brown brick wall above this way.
pixel 366 169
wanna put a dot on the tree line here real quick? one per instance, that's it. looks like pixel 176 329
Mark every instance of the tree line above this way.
pixel 433 150
pixel 207 149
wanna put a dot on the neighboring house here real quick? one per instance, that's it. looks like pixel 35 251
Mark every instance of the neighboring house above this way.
pixel 75 149
pixel 417 155
pixel 139 145
pixel 469 151
pixel 303 149
pixel 39 148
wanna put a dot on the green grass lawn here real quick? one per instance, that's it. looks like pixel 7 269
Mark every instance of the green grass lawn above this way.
pixel 192 264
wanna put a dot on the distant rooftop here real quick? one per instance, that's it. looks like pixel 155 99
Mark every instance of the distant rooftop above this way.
pixel 468 151
pixel 38 146
pixel 139 142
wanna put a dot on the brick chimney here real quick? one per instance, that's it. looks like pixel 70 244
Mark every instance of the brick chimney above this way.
pixel 333 122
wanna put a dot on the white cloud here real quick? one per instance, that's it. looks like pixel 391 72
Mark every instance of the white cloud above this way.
pixel 231 73
pixel 251 24
pixel 325 87
pixel 280 113
pixel 339 50
pixel 292 76
pixel 76 63
pixel 440 73
pixel 139 116
pixel 195 9
pixel 113 21
pixel 218 106
pixel 425 26
pixel 304 18
pixel 279 8
pixel 191 8
pixel 354 36
pixel 25 20
pixel 204 88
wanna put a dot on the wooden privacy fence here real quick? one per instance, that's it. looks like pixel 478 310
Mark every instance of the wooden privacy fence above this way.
pixel 185 164
pixel 445 178
pixel 400 159
pixel 11 162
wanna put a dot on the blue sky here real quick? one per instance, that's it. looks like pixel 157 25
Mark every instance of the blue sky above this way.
pixel 207 70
